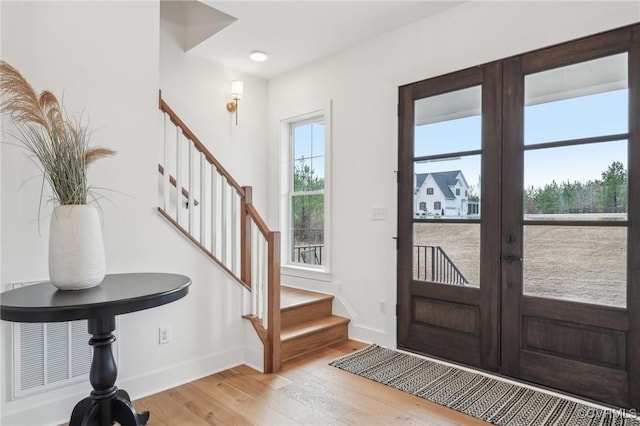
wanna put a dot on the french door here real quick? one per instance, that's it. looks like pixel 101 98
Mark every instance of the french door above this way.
pixel 519 193
pixel 448 198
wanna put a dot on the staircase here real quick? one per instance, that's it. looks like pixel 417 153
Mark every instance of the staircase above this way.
pixel 307 322
pixel 207 205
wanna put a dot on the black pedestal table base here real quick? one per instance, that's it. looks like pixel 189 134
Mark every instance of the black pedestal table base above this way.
pixel 106 404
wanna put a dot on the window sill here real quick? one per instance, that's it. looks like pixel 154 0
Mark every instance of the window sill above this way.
pixel 315 274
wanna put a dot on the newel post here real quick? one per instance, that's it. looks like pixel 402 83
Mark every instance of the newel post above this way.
pixel 245 236
pixel 273 302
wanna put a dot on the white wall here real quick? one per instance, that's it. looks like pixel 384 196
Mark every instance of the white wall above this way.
pixel 198 91
pixel 363 82
pixel 104 58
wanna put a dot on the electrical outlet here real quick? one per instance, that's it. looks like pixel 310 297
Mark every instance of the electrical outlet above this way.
pixel 383 306
pixel 164 335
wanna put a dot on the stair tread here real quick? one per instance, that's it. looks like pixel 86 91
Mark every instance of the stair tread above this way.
pixel 294 297
pixel 312 326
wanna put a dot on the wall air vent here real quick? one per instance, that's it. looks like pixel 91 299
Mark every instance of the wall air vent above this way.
pixel 49 355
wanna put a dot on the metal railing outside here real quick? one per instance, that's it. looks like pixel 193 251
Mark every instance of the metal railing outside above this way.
pixel 433 264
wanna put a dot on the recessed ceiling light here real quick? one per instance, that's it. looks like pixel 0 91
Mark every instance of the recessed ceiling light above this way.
pixel 258 56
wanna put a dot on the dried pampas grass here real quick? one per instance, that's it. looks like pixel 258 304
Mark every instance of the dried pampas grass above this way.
pixel 60 144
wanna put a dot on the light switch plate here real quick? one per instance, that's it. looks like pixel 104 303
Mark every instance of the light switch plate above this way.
pixel 378 213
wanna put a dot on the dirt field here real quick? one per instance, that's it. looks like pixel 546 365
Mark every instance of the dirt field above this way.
pixel 586 264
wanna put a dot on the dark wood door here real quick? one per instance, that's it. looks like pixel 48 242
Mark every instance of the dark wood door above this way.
pixel 449 202
pixel 531 268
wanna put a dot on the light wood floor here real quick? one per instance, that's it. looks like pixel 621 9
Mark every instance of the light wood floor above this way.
pixel 306 392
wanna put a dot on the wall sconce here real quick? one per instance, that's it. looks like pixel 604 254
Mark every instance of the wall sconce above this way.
pixel 236 93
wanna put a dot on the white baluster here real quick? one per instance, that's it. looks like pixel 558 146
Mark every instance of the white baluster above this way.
pixel 234 246
pixel 179 160
pixel 166 185
pixel 255 287
pixel 203 204
pixel 263 277
pixel 224 219
pixel 265 282
pixel 191 188
pixel 214 210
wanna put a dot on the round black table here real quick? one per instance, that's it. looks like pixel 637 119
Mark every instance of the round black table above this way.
pixel 117 294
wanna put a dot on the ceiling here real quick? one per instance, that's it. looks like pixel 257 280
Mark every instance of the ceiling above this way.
pixel 294 33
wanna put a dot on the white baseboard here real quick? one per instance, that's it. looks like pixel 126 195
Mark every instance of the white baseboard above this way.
pixel 179 374
pixel 55 411
pixel 369 335
pixel 305 283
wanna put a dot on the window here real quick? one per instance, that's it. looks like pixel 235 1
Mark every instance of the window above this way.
pixel 429 191
pixel 303 213
pixel 437 206
pixel 307 195
pixel 457 191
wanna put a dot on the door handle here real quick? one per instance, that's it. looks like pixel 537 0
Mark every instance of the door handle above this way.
pixel 512 258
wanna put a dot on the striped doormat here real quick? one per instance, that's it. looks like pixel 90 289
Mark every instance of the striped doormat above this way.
pixel 477 395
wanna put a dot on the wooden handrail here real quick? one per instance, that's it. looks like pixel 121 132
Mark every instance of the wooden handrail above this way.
pixel 199 146
pixel 257 219
pixel 173 182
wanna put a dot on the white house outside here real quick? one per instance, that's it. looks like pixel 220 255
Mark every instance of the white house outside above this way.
pixel 443 194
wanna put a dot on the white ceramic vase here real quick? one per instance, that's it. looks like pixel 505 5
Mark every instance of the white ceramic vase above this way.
pixel 76 248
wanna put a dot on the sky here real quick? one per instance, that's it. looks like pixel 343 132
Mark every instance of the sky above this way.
pixel 308 146
pixel 579 117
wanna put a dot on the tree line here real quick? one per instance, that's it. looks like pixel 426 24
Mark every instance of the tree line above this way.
pixel 605 195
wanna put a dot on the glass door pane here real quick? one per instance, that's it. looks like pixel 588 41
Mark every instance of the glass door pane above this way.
pixel 578 263
pixel 450 122
pixel 576 182
pixel 447 253
pixel 577 101
pixel 447 188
